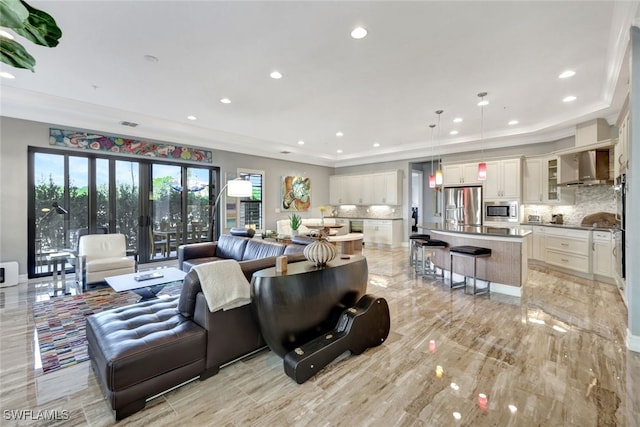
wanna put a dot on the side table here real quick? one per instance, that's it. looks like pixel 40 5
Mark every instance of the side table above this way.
pixel 59 261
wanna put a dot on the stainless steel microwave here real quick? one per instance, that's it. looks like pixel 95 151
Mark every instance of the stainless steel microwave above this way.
pixel 501 211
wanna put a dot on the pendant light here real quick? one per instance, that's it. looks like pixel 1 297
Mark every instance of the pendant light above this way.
pixel 432 178
pixel 439 177
pixel 482 166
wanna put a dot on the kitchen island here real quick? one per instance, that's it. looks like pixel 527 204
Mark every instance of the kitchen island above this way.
pixel 507 266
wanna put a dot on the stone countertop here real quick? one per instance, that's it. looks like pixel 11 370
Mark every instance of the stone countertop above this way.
pixel 508 232
pixel 571 226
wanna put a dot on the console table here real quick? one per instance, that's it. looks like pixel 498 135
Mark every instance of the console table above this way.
pixel 295 307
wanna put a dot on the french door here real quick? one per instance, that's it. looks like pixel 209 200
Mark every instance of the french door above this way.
pixel 156 205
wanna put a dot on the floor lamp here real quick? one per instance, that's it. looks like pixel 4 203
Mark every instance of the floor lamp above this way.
pixel 235 188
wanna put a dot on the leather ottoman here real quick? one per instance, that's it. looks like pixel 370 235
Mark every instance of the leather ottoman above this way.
pixel 142 350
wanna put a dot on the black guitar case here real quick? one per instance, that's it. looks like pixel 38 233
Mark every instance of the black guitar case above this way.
pixel 362 326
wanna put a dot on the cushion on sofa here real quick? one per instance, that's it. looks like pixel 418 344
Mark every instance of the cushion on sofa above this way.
pixel 240 231
pixel 256 249
pixel 187 265
pixel 231 247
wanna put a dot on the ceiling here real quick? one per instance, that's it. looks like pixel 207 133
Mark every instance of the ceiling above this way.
pixel 418 57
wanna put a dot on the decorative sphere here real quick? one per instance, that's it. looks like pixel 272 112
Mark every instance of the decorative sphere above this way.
pixel 320 252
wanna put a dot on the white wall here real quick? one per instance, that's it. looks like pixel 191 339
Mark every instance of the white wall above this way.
pixel 16 135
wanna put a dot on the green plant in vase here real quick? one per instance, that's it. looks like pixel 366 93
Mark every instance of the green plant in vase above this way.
pixel 296 221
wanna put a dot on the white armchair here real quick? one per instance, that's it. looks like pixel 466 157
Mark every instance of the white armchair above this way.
pixel 100 256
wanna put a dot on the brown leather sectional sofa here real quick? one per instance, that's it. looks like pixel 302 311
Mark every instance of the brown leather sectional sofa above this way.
pixel 243 249
pixel 146 348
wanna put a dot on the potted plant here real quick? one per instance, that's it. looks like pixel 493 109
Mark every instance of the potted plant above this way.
pixel 295 224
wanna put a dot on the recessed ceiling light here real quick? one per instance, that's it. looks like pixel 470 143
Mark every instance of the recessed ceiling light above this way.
pixel 457 415
pixel 513 408
pixel 483 103
pixel 339 134
pixel 191 117
pixel 301 142
pixel 225 101
pixel 570 98
pixel 6 35
pixel 513 122
pixel 567 73
pixel 453 132
pixel 151 58
pixel 359 33
pixel 457 120
pixel 376 144
pixel 338 151
pixel 6 75
pixel 276 75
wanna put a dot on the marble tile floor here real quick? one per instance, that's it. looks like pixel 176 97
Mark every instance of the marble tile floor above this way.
pixel 555 357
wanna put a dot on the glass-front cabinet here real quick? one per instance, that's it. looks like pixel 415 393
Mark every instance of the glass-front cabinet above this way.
pixel 552 180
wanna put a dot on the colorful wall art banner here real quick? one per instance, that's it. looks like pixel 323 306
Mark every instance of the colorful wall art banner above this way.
pixel 116 144
pixel 296 193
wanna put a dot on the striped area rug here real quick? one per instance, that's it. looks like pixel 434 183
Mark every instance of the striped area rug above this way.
pixel 60 323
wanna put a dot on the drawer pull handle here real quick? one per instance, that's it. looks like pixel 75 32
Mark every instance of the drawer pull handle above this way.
pixel 564 244
pixel 565 260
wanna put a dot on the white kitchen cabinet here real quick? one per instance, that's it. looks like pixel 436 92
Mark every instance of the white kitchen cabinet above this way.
pixel 503 180
pixel 568 248
pixel 621 161
pixel 335 189
pixel 540 182
pixel 532 181
pixel 382 232
pixel 460 174
pixel 381 188
pixel 354 189
pixel 602 261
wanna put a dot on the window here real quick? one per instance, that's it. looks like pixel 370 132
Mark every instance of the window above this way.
pixel 250 208
pixel 72 194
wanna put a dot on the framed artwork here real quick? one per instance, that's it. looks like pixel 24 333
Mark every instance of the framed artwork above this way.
pixel 296 193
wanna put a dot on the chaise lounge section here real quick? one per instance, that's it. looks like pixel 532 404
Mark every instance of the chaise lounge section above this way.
pixel 145 349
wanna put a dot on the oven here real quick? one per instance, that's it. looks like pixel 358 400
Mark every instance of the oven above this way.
pixel 501 211
pixel 620 192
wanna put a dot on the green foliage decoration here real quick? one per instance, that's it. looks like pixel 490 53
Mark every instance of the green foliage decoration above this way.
pixel 32 24
pixel 296 220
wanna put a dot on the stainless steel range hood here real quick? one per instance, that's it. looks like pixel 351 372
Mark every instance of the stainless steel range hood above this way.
pixel 593 169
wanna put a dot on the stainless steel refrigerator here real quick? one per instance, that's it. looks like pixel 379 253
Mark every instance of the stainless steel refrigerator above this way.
pixel 463 205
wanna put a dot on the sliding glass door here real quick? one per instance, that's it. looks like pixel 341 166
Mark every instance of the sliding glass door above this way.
pixel 157 206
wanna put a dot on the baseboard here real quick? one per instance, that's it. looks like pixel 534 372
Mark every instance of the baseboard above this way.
pixel 633 342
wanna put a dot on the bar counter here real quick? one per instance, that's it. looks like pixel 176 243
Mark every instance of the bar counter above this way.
pixel 506 231
pixel 507 266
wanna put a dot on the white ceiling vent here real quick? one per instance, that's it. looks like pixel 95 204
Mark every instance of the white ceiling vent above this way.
pixel 130 124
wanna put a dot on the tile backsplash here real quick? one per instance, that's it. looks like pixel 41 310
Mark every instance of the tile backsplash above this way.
pixel 372 212
pixel 589 200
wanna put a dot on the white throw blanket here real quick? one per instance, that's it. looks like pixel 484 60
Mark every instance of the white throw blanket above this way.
pixel 223 284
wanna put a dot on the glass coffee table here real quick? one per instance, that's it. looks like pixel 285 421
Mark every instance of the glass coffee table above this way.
pixel 146 288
